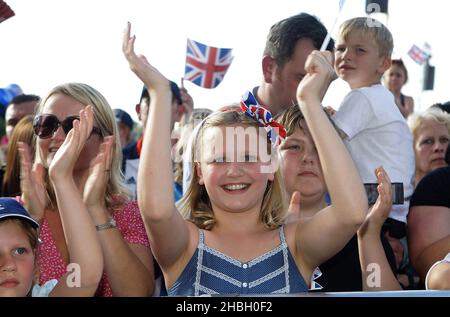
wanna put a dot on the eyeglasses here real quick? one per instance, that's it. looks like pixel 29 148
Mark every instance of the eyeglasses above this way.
pixel 45 125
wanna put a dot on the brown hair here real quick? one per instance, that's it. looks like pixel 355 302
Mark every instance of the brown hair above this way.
pixel 31 232
pixel 399 63
pixel 291 119
pixel 23 132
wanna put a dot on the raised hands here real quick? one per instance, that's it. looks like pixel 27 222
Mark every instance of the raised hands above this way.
pixel 371 250
pixel 151 77
pixel 99 171
pixel 319 75
pixel 379 212
pixel 61 167
pixel 32 185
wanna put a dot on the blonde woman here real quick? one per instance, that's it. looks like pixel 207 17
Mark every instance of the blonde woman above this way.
pixel 431 134
pixel 128 264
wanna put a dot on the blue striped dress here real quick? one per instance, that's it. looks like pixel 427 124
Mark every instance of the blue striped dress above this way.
pixel 212 272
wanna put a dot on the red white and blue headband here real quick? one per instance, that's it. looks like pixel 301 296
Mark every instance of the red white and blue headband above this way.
pixel 275 131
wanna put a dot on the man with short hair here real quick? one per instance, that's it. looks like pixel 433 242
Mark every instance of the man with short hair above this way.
pixel 19 107
pixel 132 152
pixel 288 45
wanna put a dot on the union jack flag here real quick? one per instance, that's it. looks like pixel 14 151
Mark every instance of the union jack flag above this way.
pixel 418 55
pixel 206 65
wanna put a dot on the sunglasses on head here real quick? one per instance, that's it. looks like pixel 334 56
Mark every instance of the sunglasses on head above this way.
pixel 45 125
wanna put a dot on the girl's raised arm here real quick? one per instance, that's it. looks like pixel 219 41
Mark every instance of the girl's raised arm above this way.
pixel 168 231
pixel 330 229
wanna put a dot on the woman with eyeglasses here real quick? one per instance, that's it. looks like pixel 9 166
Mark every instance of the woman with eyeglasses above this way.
pixel 128 262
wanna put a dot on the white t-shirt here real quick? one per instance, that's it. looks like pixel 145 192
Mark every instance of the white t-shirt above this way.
pixel 131 172
pixel 377 135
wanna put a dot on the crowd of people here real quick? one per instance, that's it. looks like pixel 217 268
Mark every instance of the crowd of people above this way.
pixel 273 194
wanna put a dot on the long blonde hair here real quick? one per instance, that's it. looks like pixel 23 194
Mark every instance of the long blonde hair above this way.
pixel 116 192
pixel 196 205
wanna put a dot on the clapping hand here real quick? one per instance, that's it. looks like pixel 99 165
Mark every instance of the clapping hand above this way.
pixel 32 185
pixel 62 165
pixel 379 212
pixel 99 173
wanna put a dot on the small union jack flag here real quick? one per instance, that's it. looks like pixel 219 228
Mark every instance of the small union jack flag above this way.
pixel 206 65
pixel 418 55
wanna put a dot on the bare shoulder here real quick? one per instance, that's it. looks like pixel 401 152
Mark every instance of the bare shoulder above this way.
pixel 409 102
pixel 409 98
pixel 291 231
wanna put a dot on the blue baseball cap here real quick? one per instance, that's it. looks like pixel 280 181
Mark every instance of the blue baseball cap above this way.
pixel 173 87
pixel 176 92
pixel 123 117
pixel 11 208
pixel 7 94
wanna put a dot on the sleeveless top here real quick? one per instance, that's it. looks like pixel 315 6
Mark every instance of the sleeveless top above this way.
pixel 402 99
pixel 211 272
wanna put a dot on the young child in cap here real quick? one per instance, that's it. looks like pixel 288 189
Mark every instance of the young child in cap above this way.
pixel 19 240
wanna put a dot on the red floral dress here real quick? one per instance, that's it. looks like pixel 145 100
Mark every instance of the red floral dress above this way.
pixel 52 265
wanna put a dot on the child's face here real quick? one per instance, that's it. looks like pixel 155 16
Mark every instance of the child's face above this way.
pixel 357 60
pixel 301 167
pixel 233 172
pixel 16 260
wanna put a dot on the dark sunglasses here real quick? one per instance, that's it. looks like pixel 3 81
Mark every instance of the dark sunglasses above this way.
pixel 45 125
